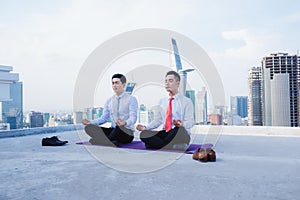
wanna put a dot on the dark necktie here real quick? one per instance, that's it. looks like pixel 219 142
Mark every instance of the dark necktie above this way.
pixel 118 106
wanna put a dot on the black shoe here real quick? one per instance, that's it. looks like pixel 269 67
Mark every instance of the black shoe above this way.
pixel 53 141
pixel 56 138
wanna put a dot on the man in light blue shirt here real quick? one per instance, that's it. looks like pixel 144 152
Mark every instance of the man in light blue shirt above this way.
pixel 121 109
pixel 176 113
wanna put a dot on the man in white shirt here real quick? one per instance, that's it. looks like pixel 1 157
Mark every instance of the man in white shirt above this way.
pixel 121 109
pixel 177 115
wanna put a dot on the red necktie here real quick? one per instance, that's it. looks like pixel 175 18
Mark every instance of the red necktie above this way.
pixel 168 124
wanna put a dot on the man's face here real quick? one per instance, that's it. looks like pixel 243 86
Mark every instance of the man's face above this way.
pixel 118 86
pixel 171 84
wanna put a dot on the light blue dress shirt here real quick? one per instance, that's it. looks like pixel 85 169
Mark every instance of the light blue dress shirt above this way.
pixel 182 109
pixel 124 106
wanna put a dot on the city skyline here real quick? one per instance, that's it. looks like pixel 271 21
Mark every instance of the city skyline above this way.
pixel 47 42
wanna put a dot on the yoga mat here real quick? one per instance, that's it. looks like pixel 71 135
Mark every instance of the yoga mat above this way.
pixel 139 145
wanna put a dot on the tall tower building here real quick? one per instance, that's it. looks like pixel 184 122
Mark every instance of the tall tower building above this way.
pixel 129 87
pixel 36 119
pixel 298 64
pixel 143 114
pixel 191 94
pixel 239 106
pixel 280 95
pixel 255 97
pixel 46 117
pixel 77 117
pixel 11 95
pixel 201 107
pixel 99 112
pixel 280 73
pixel 90 112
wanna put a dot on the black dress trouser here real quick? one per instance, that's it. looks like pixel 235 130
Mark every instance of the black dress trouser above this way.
pixel 119 134
pixel 160 139
pixel 103 135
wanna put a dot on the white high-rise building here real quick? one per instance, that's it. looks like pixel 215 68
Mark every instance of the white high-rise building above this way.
pixel 143 117
pixel 201 107
pixel 280 95
pixel 77 117
pixel 6 78
pixel 11 96
pixel 275 96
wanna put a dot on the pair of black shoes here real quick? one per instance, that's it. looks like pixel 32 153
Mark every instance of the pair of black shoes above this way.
pixel 53 141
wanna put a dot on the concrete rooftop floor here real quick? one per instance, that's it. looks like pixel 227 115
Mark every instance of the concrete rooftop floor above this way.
pixel 247 167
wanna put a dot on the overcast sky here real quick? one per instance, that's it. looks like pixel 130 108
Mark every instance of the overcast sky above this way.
pixel 47 42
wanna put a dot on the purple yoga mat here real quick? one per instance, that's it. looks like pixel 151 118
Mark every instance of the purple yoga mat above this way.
pixel 141 146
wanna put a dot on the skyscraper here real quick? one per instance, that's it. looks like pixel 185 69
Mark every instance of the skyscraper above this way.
pixel 143 114
pixel 191 94
pixel 77 117
pixel 201 107
pixel 277 104
pixel 239 106
pixel 46 117
pixel 129 87
pixel 11 95
pixel 280 95
pixel 36 119
pixel 182 73
pixel 255 97
pixel 90 112
pixel 99 112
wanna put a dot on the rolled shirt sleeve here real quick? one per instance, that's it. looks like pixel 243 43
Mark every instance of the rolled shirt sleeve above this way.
pixel 158 118
pixel 132 109
pixel 188 116
pixel 105 115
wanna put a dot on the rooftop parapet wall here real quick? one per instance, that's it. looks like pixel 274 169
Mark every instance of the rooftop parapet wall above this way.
pixel 248 130
pixel 198 129
pixel 39 130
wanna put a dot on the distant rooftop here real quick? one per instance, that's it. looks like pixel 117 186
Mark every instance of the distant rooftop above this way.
pixel 252 163
pixel 279 54
pixel 6 68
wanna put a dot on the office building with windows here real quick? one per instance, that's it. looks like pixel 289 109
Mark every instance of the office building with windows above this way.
pixel 280 73
pixel 36 119
pixel 191 94
pixel 201 107
pixel 11 98
pixel 255 97
pixel 239 106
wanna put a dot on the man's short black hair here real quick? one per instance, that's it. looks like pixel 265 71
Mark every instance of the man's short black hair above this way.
pixel 177 76
pixel 120 76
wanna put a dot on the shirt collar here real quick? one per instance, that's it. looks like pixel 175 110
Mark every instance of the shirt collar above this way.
pixel 176 96
pixel 120 96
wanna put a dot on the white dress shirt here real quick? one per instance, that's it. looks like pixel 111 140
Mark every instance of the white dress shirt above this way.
pixel 124 106
pixel 182 109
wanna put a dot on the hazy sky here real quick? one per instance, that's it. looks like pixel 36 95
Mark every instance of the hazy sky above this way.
pixel 47 42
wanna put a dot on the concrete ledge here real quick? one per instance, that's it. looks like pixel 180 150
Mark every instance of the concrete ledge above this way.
pixel 39 130
pixel 198 129
pixel 248 130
